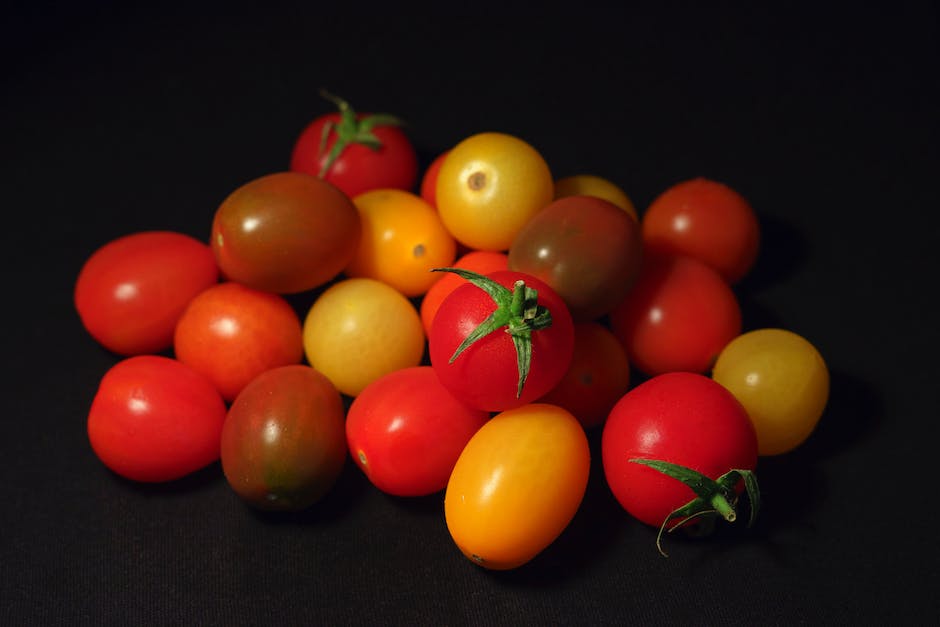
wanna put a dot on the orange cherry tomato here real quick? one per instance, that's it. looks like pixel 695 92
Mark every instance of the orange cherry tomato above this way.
pixel 517 485
pixel 480 261
pixel 403 238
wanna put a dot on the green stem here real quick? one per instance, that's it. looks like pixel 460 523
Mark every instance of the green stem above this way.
pixel 350 130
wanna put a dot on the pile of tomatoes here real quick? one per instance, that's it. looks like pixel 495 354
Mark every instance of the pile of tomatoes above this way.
pixel 467 329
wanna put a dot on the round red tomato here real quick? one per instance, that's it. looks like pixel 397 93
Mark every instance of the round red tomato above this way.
pixel 428 189
pixel 678 316
pixel 406 431
pixel 499 370
pixel 706 220
pixel 285 232
pixel 155 419
pixel 283 445
pixel 361 151
pixel 682 418
pixel 131 291
pixel 586 248
pixel 232 333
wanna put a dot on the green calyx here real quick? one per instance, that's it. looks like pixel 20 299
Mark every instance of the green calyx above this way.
pixel 714 497
pixel 517 310
pixel 350 130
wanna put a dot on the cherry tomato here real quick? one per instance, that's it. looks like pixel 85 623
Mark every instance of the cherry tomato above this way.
pixel 283 444
pixel 486 374
pixel 481 261
pixel 360 329
pixel 591 185
pixel 428 189
pixel 706 220
pixel 403 238
pixel 405 431
pixel 599 375
pixel 154 419
pixel 489 186
pixel 682 418
pixel 517 485
pixel 232 333
pixel 782 381
pixel 131 291
pixel 586 248
pixel 361 151
pixel 285 233
pixel 678 316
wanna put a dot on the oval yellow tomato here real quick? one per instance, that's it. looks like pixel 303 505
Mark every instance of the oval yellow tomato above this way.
pixel 488 187
pixel 360 329
pixel 517 485
pixel 403 238
pixel 591 185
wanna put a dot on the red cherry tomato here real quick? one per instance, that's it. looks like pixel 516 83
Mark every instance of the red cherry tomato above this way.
pixel 406 431
pixel 481 261
pixel 372 152
pixel 678 316
pixel 681 418
pixel 131 291
pixel 428 188
pixel 707 220
pixel 283 445
pixel 486 374
pixel 155 419
pixel 232 333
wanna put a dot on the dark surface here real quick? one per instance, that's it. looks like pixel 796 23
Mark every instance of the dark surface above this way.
pixel 117 119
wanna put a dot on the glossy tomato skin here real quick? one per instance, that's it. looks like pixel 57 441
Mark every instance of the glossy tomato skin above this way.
pixel 586 248
pixel 358 168
pixel 678 417
pixel 782 381
pixel 285 232
pixel 485 375
pixel 131 291
pixel 679 315
pixel 154 419
pixel 517 485
pixel 283 445
pixel 232 333
pixel 405 431
pixel 707 220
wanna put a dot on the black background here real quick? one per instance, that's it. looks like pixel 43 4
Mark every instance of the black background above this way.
pixel 118 118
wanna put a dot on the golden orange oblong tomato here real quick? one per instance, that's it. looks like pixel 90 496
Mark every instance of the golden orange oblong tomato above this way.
pixel 517 485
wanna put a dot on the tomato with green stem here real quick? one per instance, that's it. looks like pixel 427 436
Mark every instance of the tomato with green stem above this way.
pixel 501 340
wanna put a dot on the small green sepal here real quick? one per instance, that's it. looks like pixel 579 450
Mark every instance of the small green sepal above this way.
pixel 350 130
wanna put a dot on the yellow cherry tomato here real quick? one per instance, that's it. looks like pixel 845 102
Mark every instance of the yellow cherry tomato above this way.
pixel 488 187
pixel 403 238
pixel 360 329
pixel 781 380
pixel 591 185
pixel 517 484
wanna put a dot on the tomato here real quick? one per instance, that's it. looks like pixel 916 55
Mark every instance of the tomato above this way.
pixel 591 185
pixel 154 419
pixel 782 381
pixel 586 248
pixel 682 418
pixel 707 220
pixel 517 485
pixel 428 188
pixel 597 378
pixel 481 261
pixel 283 445
pixel 489 373
pixel 405 431
pixel 232 333
pixel 360 329
pixel 403 238
pixel 356 152
pixel 489 186
pixel 285 232
pixel 678 316
pixel 131 291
